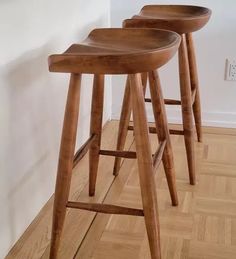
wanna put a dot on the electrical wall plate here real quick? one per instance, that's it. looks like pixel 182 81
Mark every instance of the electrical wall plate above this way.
pixel 230 70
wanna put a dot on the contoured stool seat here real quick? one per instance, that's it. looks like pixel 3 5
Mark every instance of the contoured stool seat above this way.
pixel 178 18
pixel 117 51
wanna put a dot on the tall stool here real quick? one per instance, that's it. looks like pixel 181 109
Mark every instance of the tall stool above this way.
pixel 115 51
pixel 183 20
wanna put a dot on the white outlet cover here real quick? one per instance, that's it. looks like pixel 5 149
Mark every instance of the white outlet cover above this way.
pixel 230 70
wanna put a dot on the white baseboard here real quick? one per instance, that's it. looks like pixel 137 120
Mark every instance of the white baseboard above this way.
pixel 211 119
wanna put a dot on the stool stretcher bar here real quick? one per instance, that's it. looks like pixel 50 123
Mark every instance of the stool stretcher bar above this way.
pixel 157 157
pixel 132 155
pixel 172 101
pixel 124 154
pixel 167 101
pixel 153 130
pixel 105 208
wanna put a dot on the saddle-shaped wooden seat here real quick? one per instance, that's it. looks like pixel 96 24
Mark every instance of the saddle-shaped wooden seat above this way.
pixel 117 51
pixel 178 18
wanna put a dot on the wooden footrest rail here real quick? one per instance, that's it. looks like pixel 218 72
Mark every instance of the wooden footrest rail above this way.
pixel 172 101
pixel 132 155
pixel 157 157
pixel 105 208
pixel 124 154
pixel 167 101
pixel 153 130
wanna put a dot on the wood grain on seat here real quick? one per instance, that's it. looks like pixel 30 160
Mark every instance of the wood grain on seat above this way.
pixel 178 18
pixel 117 51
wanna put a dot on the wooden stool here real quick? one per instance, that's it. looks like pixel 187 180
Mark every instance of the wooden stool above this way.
pixel 115 51
pixel 183 20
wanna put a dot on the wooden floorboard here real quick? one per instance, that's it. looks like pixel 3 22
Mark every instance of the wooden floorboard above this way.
pixel 203 226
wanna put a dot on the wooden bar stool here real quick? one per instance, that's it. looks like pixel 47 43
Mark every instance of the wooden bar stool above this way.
pixel 115 51
pixel 183 20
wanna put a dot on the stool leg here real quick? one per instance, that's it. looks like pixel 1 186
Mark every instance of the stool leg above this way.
pixel 95 128
pixel 65 163
pixel 194 85
pixel 144 77
pixel 186 100
pixel 145 166
pixel 124 121
pixel 123 125
pixel 163 132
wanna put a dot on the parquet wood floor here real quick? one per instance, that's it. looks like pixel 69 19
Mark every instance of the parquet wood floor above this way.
pixel 203 226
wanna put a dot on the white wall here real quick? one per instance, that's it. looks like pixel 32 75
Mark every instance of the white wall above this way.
pixel 32 101
pixel 214 43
